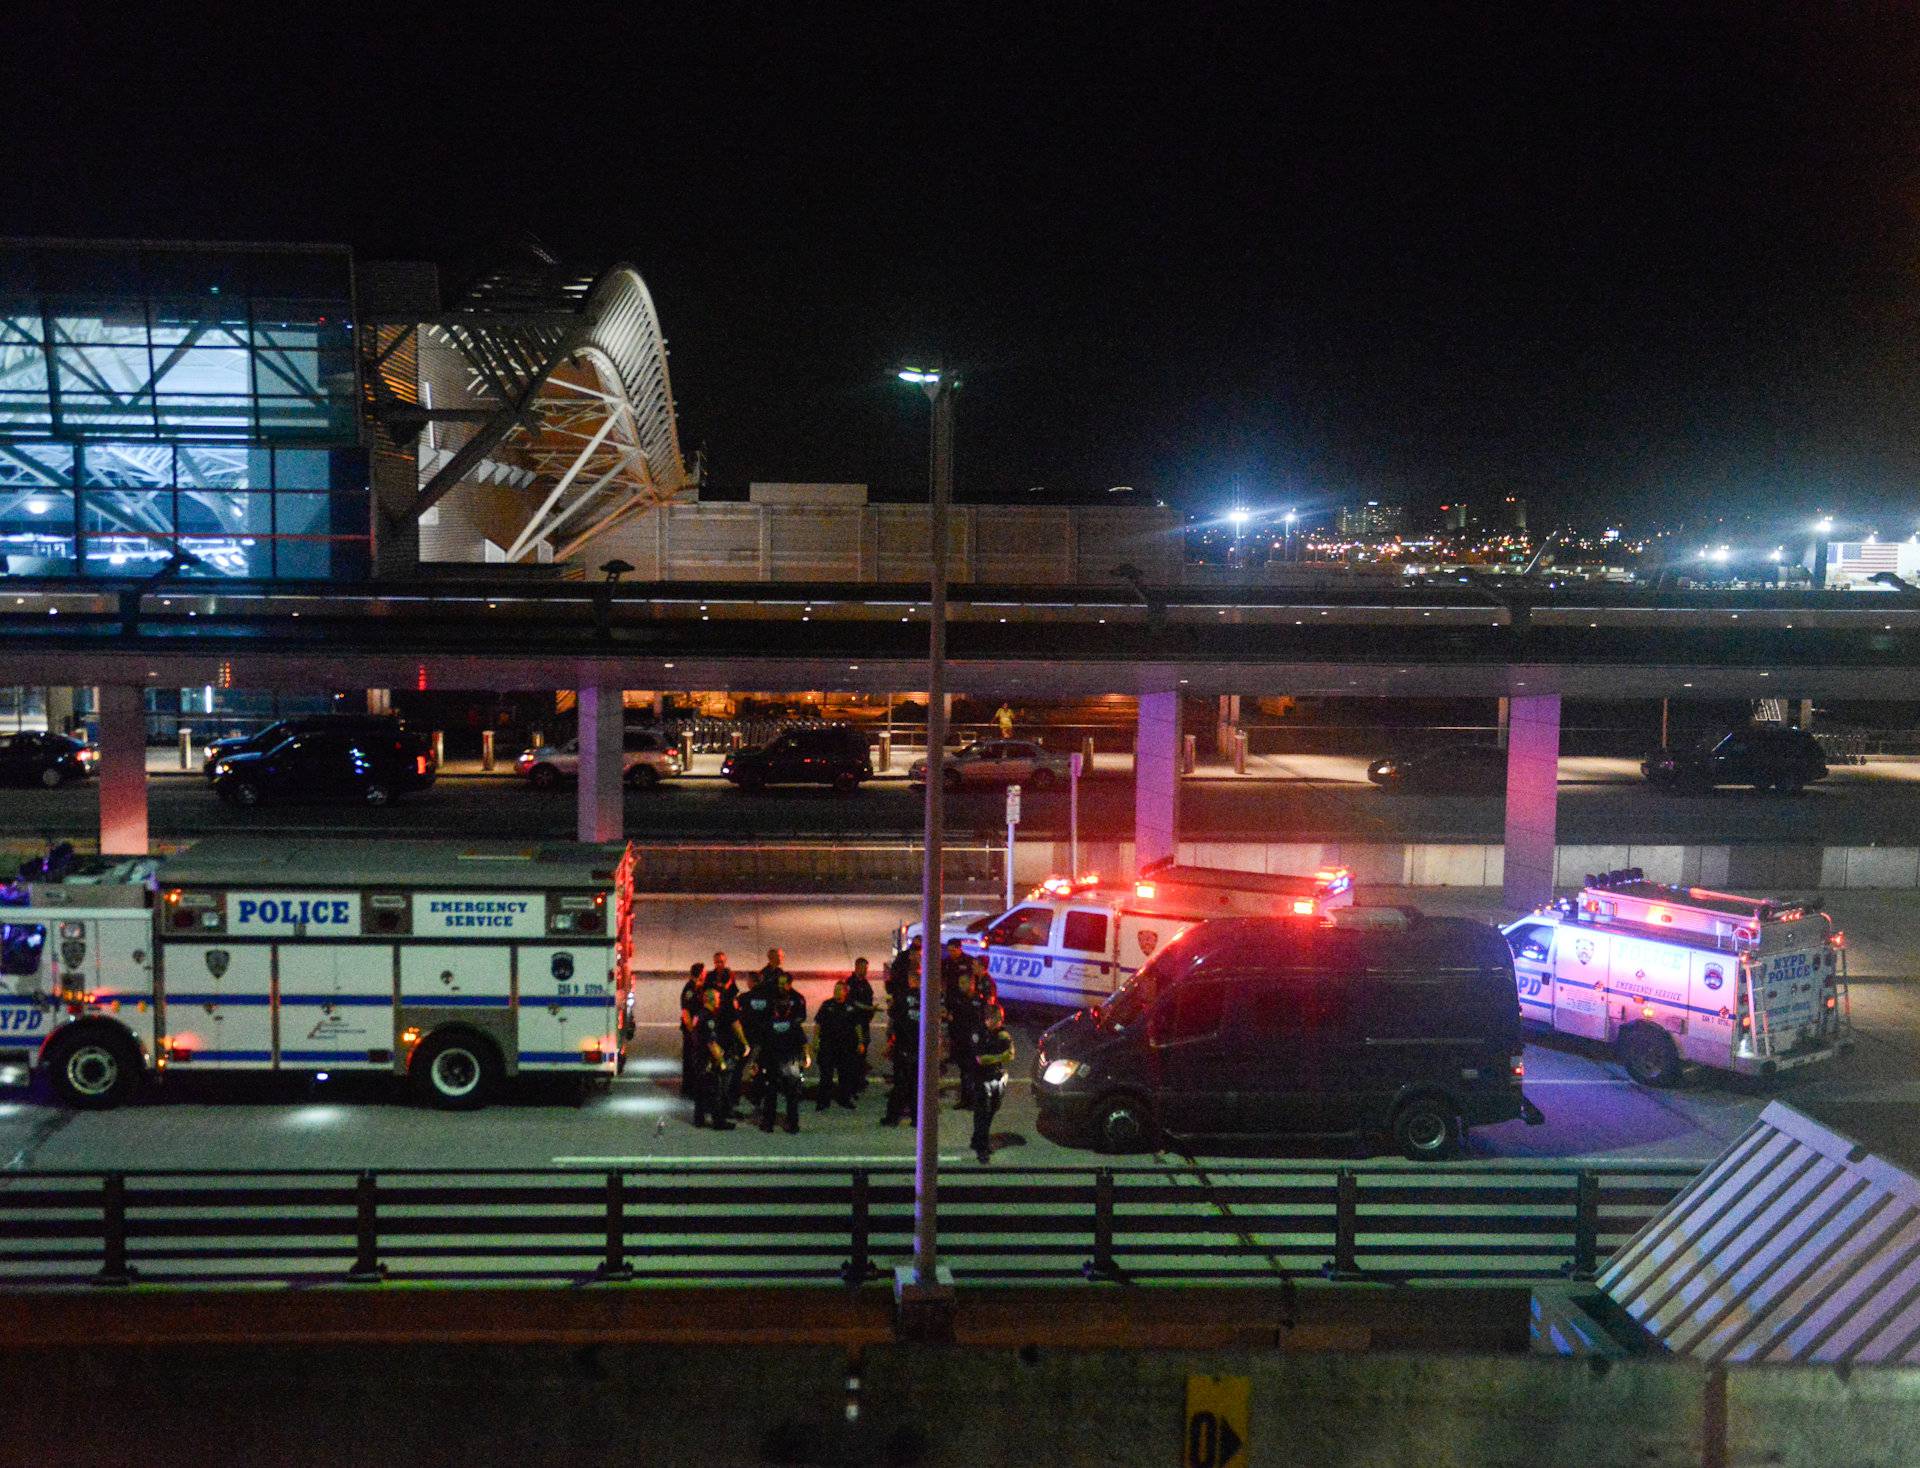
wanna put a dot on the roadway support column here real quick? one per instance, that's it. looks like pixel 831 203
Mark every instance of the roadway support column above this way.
pixel 1533 795
pixel 1156 778
pixel 602 755
pixel 122 774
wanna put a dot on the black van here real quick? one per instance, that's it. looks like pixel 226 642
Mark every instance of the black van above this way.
pixel 1380 1022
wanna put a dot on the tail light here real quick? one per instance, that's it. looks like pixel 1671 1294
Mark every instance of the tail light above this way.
pixel 419 764
pixel 1519 1067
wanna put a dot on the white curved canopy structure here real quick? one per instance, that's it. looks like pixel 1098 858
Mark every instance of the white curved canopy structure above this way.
pixel 553 389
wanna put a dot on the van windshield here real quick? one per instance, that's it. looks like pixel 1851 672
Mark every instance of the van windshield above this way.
pixel 1135 997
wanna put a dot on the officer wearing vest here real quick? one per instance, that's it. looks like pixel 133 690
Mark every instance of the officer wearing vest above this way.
pixel 756 1006
pixel 860 1001
pixel 991 1048
pixel 836 1033
pixel 710 1085
pixel 903 1025
pixel 784 1057
pixel 690 1010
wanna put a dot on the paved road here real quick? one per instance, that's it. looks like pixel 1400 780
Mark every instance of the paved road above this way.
pixel 1593 1109
pixel 1305 797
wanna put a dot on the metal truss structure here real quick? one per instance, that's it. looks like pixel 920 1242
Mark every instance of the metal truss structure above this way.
pixel 566 399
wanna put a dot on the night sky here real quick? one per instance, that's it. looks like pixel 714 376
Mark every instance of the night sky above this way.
pixel 1650 259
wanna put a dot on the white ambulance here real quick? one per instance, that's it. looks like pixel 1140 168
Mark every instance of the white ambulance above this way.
pixel 1677 975
pixel 1072 942
pixel 455 965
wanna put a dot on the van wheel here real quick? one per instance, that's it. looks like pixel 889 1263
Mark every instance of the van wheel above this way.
pixel 455 1072
pixel 93 1070
pixel 1648 1054
pixel 1427 1129
pixel 1123 1124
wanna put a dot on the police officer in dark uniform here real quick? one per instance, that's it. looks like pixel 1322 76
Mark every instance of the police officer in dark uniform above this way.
pixel 906 961
pixel 690 1008
pixel 990 1047
pixel 733 1035
pixel 963 1009
pixel 756 1009
pixel 710 1084
pixel 783 1055
pixel 903 1025
pixel 860 1000
pixel 836 1032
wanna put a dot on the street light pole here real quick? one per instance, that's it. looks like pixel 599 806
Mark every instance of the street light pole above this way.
pixel 939 387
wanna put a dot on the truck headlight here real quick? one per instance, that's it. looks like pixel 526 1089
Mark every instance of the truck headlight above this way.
pixel 1059 1072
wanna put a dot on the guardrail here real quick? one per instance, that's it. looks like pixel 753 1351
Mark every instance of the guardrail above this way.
pixel 708 1223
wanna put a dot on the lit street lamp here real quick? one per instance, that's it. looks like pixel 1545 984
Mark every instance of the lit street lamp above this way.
pixel 925 1282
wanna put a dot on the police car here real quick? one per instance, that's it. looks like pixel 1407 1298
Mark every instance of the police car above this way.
pixel 1073 941
pixel 1684 975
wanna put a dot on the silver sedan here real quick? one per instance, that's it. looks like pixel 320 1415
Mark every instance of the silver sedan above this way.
pixel 999 762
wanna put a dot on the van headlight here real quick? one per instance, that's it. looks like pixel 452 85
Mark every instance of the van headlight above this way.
pixel 1059 1072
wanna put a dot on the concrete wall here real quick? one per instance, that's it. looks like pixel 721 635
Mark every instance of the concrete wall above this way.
pixel 588 1403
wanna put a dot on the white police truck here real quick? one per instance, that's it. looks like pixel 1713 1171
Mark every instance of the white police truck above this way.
pixel 1074 941
pixel 1671 976
pixel 455 965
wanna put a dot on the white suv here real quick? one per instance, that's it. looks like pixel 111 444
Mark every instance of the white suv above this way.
pixel 649 760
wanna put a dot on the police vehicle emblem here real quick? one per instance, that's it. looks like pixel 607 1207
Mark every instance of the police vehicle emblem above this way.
pixel 562 966
pixel 1149 940
pixel 217 959
pixel 1583 950
pixel 1713 978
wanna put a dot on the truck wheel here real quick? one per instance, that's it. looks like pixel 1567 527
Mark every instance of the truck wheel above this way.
pixel 1427 1129
pixel 1648 1054
pixel 94 1069
pixel 455 1071
pixel 1123 1124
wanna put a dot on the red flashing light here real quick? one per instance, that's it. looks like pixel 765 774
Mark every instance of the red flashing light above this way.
pixel 1838 940
pixel 420 679
pixel 1144 889
pixel 1303 906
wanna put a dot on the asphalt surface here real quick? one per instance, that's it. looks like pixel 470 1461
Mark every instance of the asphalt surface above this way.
pixel 1303 797
pixel 1593 1110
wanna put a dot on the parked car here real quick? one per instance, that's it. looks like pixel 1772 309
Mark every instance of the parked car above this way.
pixel 835 756
pixel 278 733
pixel 33 758
pixel 327 765
pixel 998 762
pixel 648 759
pixel 1765 757
pixel 1443 769
pixel 1377 1023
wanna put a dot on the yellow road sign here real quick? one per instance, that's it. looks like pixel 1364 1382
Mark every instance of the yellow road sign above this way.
pixel 1216 1434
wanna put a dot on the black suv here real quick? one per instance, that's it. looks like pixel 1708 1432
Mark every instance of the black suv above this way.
pixel 367 769
pixel 1380 1023
pixel 835 756
pixel 1767 757
pixel 278 733
pixel 1443 769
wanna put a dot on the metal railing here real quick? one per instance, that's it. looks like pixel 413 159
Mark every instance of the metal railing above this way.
pixel 705 1223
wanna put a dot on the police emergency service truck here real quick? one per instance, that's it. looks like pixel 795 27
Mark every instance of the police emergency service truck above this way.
pixel 1673 975
pixel 455 965
pixel 1073 941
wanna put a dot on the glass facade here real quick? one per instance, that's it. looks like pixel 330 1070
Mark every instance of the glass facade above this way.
pixel 198 400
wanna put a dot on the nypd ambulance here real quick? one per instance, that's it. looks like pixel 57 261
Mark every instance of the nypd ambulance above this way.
pixel 1074 941
pixel 1682 975
pixel 455 965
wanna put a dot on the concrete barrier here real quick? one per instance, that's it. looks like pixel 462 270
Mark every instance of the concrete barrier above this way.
pixel 787 1403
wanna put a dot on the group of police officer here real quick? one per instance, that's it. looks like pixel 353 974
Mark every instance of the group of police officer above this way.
pixel 749 1045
